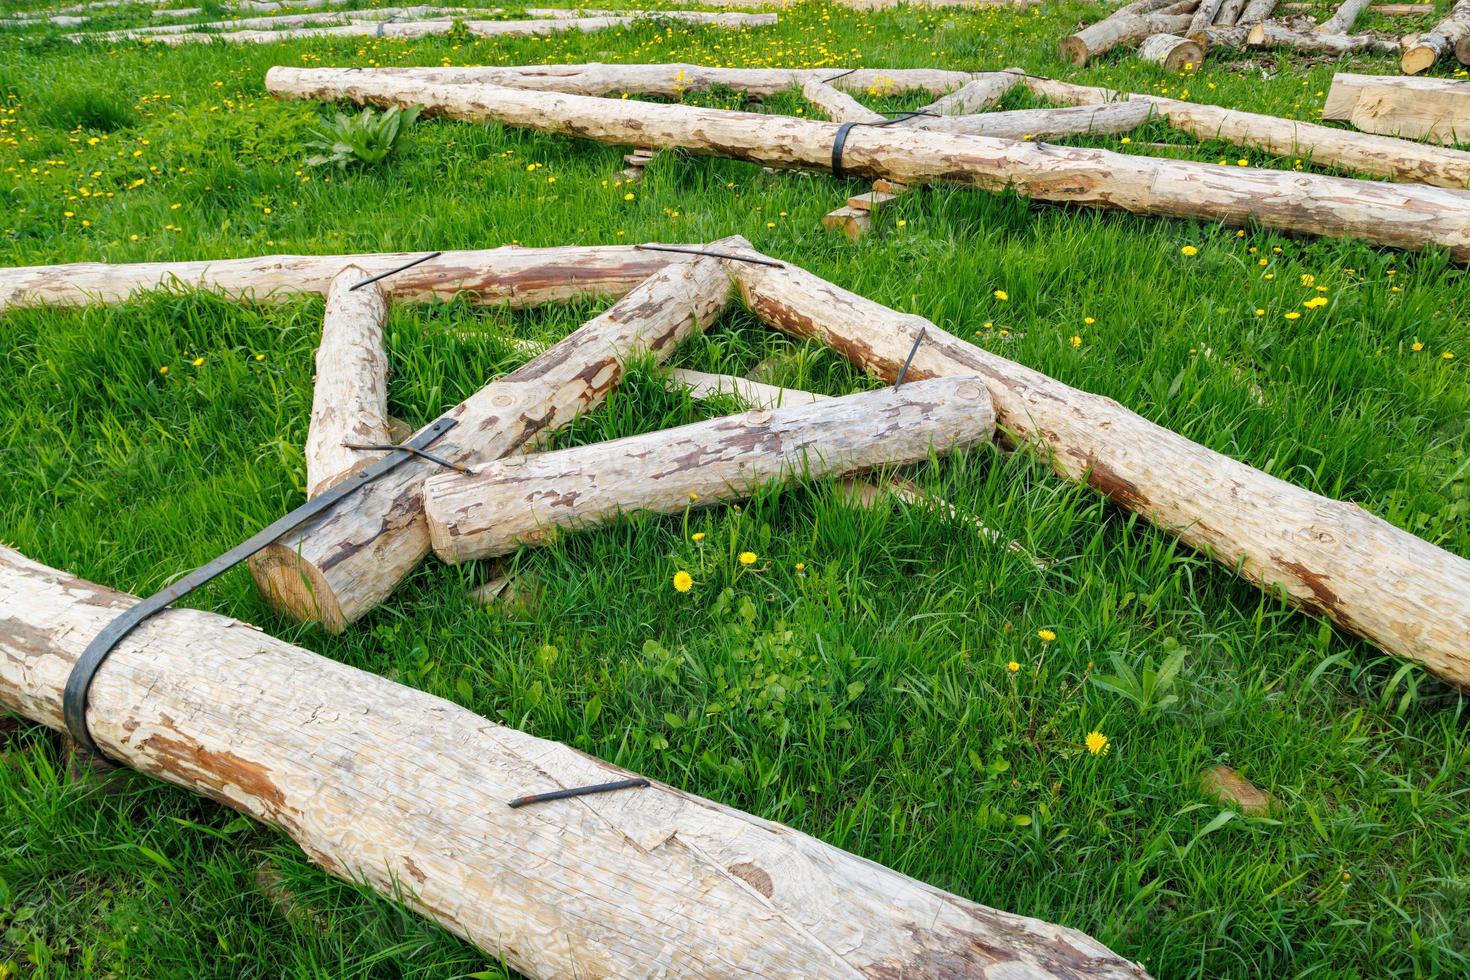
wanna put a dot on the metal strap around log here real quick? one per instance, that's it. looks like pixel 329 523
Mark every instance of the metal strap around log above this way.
pixel 79 682
pixel 840 139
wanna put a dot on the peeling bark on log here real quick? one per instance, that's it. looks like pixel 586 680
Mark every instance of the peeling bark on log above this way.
pixel 1397 159
pixel 1325 556
pixel 1256 11
pixel 1174 53
pixel 515 276
pixel 837 105
pixel 1122 28
pixel 350 401
pixel 1275 36
pixel 525 501
pixel 667 80
pixel 425 28
pixel 1342 19
pixel 407 793
pixel 339 566
pixel 1041 124
pixel 1399 215
pixel 1430 47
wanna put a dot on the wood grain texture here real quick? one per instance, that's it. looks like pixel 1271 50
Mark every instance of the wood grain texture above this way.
pixel 1328 557
pixel 510 274
pixel 1271 35
pixel 1343 18
pixel 1433 109
pixel 1121 28
pixel 836 104
pixel 350 398
pixel 1400 160
pixel 525 501
pixel 978 93
pixel 1172 52
pixel 382 784
pixel 1040 124
pixel 1403 216
pixel 339 566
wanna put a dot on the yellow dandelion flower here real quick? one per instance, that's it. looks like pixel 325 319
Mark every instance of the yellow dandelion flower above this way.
pixel 1448 355
pixel 1076 341
pixel 260 357
pixel 629 196
pixel 1089 321
pixel 1097 743
pixel 198 362
pixel 1293 315
pixel 801 566
pixel 747 557
pixel 1260 312
pixel 163 370
pixel 1001 295
pixel 1308 279
pixel 1315 302
pixel 683 581
pixel 1189 250
pixel 1416 346
pixel 1013 666
pixel 1046 635
pixel 697 536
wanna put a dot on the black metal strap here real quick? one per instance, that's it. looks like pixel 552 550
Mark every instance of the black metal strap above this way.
pixel 79 682
pixel 840 139
pixel 575 791
pixel 912 351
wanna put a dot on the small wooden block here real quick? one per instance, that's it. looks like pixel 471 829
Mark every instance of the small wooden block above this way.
pixel 1229 787
pixel 639 158
pixel 885 186
pixel 850 221
pixel 870 201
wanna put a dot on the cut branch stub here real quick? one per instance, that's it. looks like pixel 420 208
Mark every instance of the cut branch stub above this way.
pixel 350 401
pixel 342 564
pixel 523 501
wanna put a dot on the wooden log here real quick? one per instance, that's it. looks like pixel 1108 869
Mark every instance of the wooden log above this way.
pixel 272 23
pixel 702 385
pixel 979 93
pixel 350 400
pixel 1174 53
pixel 1268 35
pixel 1342 19
pixel 1397 159
pixel 667 80
pixel 1400 215
pixel 339 566
pixel 1381 9
pixel 525 501
pixel 852 222
pixel 1436 109
pixel 1429 48
pixel 1228 13
pixel 1327 557
pixel 836 104
pixel 1204 16
pixel 1041 124
pixel 1123 28
pixel 425 28
pixel 510 275
pixel 1256 11
pixel 385 785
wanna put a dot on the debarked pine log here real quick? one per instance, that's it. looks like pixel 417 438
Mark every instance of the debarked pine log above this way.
pixel 836 104
pixel 424 28
pixel 1384 156
pixel 1403 216
pixel 526 500
pixel 1435 109
pixel 1123 28
pixel 667 80
pixel 1269 35
pixel 350 398
pixel 510 274
pixel 339 566
pixel 1040 124
pixel 1325 556
pixel 1172 52
pixel 1343 18
pixel 385 785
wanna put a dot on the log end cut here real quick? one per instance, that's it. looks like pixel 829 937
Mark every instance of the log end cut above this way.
pixel 296 588
pixel 1417 59
pixel 1073 50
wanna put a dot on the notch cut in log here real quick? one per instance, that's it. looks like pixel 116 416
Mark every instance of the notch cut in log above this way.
pixel 525 501
pixel 1429 48
pixel 385 785
pixel 1324 556
pixel 1402 216
pixel 515 276
pixel 1397 159
pixel 341 565
pixel 350 400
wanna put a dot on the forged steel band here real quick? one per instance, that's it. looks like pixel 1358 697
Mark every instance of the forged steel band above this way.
pixel 79 681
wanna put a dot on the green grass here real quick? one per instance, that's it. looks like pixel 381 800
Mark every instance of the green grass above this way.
pixel 863 698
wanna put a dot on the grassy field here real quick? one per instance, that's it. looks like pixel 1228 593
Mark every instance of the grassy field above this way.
pixel 854 681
